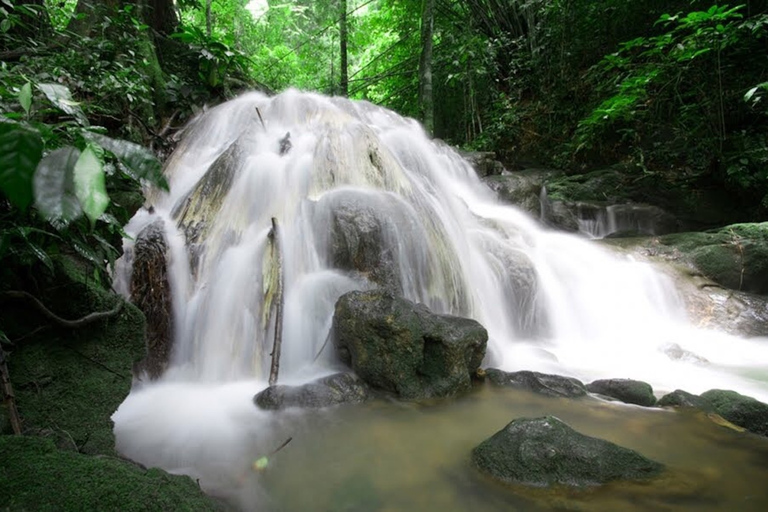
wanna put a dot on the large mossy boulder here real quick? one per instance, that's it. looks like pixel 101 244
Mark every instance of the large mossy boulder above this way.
pixel 68 382
pixel 542 383
pixel 690 207
pixel 35 475
pixel 627 390
pixel 546 451
pixel 734 257
pixel 396 345
pixel 739 409
pixel 336 389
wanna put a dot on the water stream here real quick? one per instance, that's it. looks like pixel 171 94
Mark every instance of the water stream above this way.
pixel 551 302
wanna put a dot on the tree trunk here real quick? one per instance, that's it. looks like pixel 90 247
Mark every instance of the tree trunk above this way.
pixel 425 65
pixel 208 17
pixel 344 81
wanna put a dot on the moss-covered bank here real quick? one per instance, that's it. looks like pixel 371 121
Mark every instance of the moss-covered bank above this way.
pixel 67 384
pixel 35 475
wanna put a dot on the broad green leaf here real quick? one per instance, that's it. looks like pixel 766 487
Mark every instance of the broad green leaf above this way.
pixel 751 93
pixel 25 97
pixel 87 252
pixel 89 184
pixel 61 96
pixel 54 186
pixel 21 148
pixel 141 163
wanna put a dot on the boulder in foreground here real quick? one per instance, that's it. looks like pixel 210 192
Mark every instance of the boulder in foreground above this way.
pixel 545 451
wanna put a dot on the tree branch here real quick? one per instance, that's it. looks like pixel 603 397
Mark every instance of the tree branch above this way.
pixel 53 317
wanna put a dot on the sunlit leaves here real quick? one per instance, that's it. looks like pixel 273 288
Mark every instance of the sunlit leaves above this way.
pixel 54 186
pixel 89 184
pixel 21 148
pixel 61 96
pixel 139 162
pixel 25 97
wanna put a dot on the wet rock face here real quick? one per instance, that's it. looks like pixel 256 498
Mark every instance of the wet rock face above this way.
pixel 550 385
pixel 739 409
pixel 398 346
pixel 484 163
pixel 151 293
pixel 336 389
pixel 627 390
pixel 546 451
pixel 521 188
pixel 358 243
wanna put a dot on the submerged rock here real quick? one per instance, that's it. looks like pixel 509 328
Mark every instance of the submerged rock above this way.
pixel 739 409
pixel 550 385
pixel 680 398
pixel 546 451
pixel 627 390
pixel 339 388
pixel 151 293
pixel 399 346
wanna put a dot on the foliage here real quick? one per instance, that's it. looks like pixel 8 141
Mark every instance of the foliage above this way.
pixel 66 168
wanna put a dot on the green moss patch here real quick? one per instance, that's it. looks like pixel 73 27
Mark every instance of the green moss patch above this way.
pixel 34 475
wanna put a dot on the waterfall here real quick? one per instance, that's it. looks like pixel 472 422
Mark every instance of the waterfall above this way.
pixel 363 199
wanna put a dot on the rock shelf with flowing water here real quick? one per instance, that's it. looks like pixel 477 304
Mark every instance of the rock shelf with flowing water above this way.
pixel 364 199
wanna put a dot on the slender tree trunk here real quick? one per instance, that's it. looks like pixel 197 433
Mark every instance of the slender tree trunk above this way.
pixel 208 17
pixel 344 80
pixel 425 65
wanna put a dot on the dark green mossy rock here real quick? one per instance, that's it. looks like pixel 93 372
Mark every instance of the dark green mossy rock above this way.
pixel 680 398
pixel 627 390
pixel 735 257
pixel 739 409
pixel 34 475
pixel 396 345
pixel 336 389
pixel 695 208
pixel 546 451
pixel 68 382
pixel 542 383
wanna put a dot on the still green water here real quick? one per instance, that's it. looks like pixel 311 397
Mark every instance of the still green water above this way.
pixel 390 456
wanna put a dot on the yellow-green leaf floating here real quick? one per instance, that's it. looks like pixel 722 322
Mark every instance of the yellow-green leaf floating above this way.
pixel 261 464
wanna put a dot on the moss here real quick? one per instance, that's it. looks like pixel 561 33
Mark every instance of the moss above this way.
pixel 34 475
pixel 69 382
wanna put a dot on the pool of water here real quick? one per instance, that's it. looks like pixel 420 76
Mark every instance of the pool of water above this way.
pixel 394 456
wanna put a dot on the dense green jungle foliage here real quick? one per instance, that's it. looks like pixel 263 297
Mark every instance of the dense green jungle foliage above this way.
pixel 674 90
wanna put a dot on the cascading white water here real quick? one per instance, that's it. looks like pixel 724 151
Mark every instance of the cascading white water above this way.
pixel 550 302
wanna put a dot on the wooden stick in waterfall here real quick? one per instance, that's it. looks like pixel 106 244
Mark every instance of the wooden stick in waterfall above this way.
pixel 274 236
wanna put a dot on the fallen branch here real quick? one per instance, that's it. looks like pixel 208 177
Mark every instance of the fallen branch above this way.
pixel 62 322
pixel 274 236
pixel 9 399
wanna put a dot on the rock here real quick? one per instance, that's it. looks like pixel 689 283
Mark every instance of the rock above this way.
pixel 522 188
pixel 687 206
pixel 399 346
pixel 678 353
pixel 72 380
pixel 484 162
pixel 550 385
pixel 546 451
pixel 37 476
pixel 151 293
pixel 627 390
pixel 740 410
pixel 680 398
pixel 359 235
pixel 335 389
pixel 735 257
